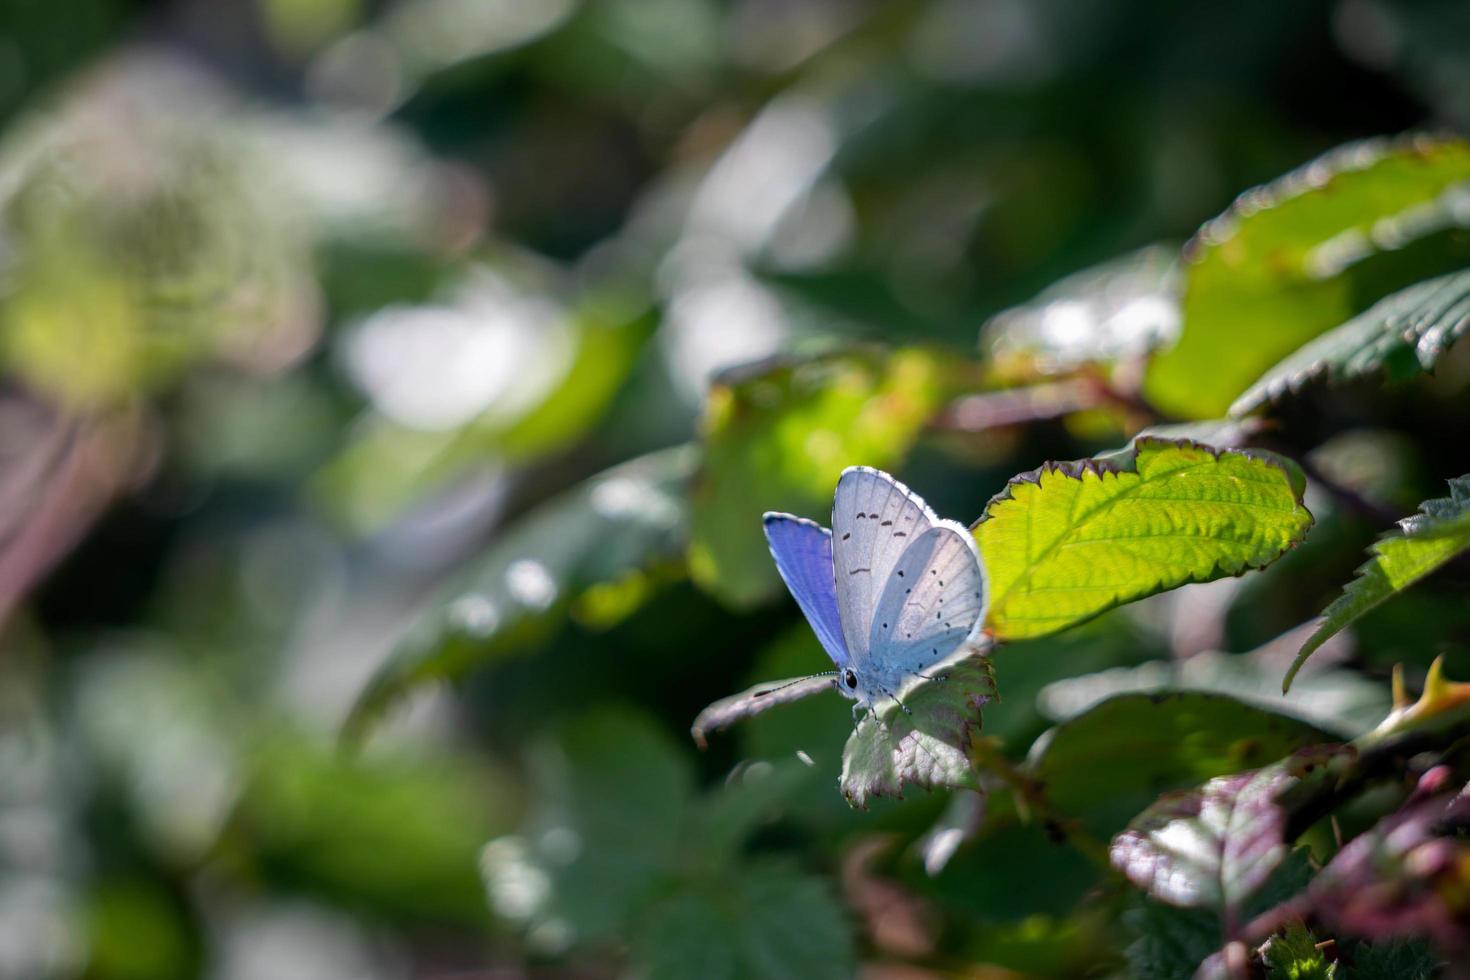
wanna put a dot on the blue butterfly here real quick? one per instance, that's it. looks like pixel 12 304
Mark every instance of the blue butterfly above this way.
pixel 890 591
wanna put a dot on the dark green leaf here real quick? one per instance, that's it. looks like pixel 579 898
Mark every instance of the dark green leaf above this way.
pixel 1439 532
pixel 1171 943
pixel 764 923
pixel 1132 747
pixel 1401 334
pixel 610 794
pixel 621 527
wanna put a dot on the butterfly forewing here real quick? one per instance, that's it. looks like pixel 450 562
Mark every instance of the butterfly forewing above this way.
pixel 932 602
pixel 803 553
pixel 874 519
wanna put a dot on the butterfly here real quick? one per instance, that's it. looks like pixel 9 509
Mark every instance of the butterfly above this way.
pixel 891 590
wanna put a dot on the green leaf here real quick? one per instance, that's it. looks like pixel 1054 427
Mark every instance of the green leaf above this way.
pixel 625 526
pixel 1400 335
pixel 1400 960
pixel 1171 941
pixel 610 794
pixel 928 745
pixel 1122 308
pixel 1071 540
pixel 1294 955
pixel 778 435
pixel 1343 702
pixel 1216 845
pixel 1126 750
pixel 1302 255
pixel 766 922
pixel 1439 532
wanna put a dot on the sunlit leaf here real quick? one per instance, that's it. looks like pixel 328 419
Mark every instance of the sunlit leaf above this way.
pixel 1302 255
pixel 1127 749
pixel 1120 309
pixel 1216 845
pixel 1398 336
pixel 628 521
pixel 1071 540
pixel 1425 541
pixel 928 745
pixel 778 435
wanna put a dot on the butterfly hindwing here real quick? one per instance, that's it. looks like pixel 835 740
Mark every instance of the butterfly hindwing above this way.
pixel 803 553
pixel 874 519
pixel 934 600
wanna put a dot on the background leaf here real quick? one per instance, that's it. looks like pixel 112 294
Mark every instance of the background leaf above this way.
pixel 778 435
pixel 1439 532
pixel 1119 309
pixel 610 799
pixel 1299 256
pixel 1114 758
pixel 1400 335
pixel 623 526
pixel 1071 540
pixel 928 746
pixel 766 922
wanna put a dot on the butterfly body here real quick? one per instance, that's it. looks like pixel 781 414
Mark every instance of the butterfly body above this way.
pixel 890 591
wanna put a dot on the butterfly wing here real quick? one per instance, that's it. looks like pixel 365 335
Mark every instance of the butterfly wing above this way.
pixel 803 553
pixel 934 601
pixel 874 519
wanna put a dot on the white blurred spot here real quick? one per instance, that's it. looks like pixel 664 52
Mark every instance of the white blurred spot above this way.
pixel 805 759
pixel 437 367
pixel 530 584
pixel 475 614
pixel 299 942
pixel 621 498
pixel 561 845
pixel 766 171
pixel 518 888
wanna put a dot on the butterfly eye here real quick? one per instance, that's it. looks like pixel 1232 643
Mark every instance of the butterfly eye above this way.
pixel 850 679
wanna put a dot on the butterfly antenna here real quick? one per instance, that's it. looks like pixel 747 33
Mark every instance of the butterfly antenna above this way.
pixel 790 683
pixel 905 707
